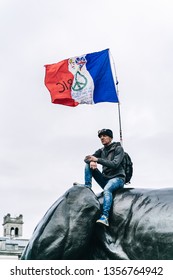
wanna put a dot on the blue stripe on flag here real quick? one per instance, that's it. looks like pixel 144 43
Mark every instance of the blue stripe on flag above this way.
pixel 99 67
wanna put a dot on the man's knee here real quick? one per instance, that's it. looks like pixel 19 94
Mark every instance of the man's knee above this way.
pixel 107 192
pixel 87 166
pixel 109 187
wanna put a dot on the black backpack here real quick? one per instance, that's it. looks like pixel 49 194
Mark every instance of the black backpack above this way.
pixel 128 167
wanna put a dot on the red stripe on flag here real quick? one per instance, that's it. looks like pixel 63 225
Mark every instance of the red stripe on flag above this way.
pixel 58 81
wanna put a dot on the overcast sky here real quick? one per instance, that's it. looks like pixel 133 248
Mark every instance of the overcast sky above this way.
pixel 42 145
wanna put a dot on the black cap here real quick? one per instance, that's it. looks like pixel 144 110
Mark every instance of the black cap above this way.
pixel 105 131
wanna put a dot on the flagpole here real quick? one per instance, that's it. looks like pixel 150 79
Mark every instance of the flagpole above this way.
pixel 117 90
pixel 119 116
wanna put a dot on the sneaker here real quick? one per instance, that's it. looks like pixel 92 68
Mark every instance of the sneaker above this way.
pixel 79 184
pixel 103 220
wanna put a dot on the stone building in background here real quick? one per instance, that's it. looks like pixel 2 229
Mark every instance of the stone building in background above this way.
pixel 12 244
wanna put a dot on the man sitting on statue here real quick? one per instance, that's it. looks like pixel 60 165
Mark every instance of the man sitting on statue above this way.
pixel 112 176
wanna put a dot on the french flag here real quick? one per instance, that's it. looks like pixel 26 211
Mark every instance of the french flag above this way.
pixel 85 79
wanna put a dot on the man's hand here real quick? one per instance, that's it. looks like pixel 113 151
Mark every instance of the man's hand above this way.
pixel 91 158
pixel 93 165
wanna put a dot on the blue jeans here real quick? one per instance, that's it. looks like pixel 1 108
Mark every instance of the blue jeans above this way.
pixel 108 185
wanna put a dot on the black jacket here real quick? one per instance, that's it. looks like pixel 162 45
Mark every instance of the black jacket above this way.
pixel 111 158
